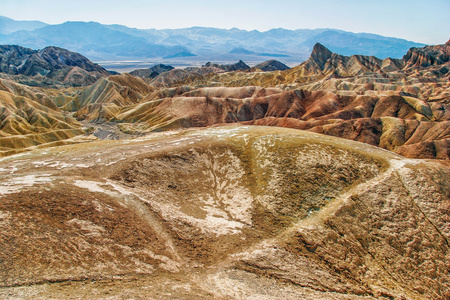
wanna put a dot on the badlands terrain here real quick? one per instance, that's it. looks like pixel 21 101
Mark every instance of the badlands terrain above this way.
pixel 329 180
pixel 401 105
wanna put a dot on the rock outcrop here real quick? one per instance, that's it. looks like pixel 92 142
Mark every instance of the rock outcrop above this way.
pixel 428 56
pixel 228 212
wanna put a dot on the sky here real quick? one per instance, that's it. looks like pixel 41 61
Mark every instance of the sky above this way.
pixel 423 21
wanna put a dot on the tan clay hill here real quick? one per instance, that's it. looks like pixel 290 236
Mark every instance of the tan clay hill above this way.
pixel 30 118
pixel 234 212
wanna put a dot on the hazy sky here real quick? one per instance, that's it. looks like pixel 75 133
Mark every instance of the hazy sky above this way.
pixel 425 21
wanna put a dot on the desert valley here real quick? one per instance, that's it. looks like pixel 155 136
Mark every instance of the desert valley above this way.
pixel 329 179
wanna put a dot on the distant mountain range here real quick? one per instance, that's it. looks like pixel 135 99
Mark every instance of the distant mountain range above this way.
pixel 8 26
pixel 101 42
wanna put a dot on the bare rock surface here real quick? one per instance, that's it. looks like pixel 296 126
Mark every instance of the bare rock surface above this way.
pixel 223 213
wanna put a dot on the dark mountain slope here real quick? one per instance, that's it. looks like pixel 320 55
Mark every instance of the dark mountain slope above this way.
pixel 51 62
pixel 272 65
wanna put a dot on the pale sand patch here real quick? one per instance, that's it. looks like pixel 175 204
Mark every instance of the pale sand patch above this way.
pixel 18 183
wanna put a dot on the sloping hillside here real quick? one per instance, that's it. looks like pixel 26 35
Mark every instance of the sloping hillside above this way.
pixel 201 214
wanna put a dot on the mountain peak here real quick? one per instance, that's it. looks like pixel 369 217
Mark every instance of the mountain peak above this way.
pixel 320 54
pixel 319 48
pixel 448 43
